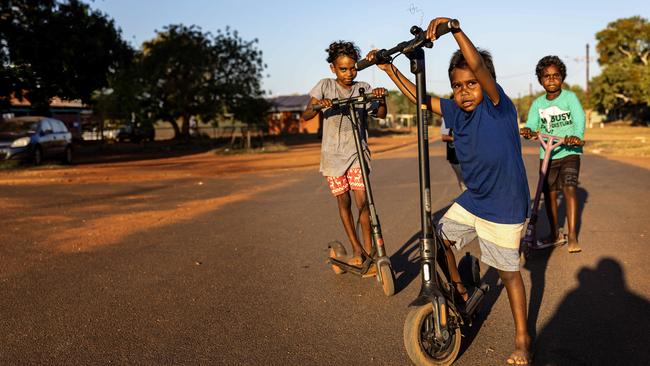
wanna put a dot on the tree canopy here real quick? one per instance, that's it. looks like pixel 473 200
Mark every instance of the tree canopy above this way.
pixel 46 50
pixel 622 90
pixel 184 72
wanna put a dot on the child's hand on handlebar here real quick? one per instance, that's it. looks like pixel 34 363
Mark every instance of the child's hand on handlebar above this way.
pixel 371 56
pixel 433 25
pixel 323 103
pixel 380 93
pixel 573 141
pixel 527 133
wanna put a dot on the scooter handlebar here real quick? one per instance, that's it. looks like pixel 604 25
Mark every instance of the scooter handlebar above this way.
pixel 363 98
pixel 564 140
pixel 384 56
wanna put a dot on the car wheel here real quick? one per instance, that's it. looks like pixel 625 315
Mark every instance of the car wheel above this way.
pixel 37 158
pixel 67 155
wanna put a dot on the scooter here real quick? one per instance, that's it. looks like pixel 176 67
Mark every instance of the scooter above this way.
pixel 377 258
pixel 432 329
pixel 548 143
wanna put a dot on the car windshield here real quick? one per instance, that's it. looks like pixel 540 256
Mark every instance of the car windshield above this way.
pixel 18 126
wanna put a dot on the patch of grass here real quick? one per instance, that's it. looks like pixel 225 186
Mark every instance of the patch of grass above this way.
pixel 9 164
pixel 618 141
pixel 267 148
pixel 636 148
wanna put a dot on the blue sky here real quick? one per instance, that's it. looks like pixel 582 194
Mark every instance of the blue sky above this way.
pixel 294 34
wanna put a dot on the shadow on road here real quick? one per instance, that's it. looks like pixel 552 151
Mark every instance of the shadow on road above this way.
pixel 405 269
pixel 406 264
pixel 599 323
pixel 537 262
pixel 491 277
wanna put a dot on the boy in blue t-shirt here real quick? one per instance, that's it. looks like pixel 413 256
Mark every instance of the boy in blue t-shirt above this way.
pixel 558 113
pixel 495 204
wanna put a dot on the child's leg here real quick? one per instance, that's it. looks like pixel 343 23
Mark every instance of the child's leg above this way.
pixel 569 178
pixel 345 204
pixel 457 235
pixel 453 270
pixel 550 202
pixel 517 298
pixel 364 218
pixel 550 199
pixel 571 199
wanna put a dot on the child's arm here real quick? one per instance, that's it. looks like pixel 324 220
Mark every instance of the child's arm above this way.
pixel 532 123
pixel 473 58
pixel 310 113
pixel 445 132
pixel 577 117
pixel 404 84
pixel 381 109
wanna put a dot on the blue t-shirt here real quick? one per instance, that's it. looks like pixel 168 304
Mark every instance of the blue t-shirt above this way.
pixel 489 151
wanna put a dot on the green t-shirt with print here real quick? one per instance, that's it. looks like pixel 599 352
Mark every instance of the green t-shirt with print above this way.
pixel 562 116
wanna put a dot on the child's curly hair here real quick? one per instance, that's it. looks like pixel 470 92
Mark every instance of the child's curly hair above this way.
pixel 548 61
pixel 458 61
pixel 342 48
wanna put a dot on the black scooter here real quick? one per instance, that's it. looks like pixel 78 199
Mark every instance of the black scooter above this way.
pixel 432 330
pixel 376 259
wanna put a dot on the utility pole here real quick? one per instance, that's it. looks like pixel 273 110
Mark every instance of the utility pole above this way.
pixel 588 110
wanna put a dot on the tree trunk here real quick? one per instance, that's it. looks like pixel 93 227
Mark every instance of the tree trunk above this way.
pixel 177 132
pixel 186 127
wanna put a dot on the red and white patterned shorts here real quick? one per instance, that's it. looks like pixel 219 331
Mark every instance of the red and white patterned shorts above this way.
pixel 351 180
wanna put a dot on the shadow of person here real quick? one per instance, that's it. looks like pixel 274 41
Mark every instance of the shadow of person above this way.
pixel 537 261
pixel 406 260
pixel 599 323
pixel 491 277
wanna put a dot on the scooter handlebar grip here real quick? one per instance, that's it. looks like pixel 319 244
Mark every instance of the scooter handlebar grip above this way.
pixel 445 28
pixel 364 64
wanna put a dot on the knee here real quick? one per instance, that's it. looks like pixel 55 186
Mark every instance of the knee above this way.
pixel 509 276
pixel 343 199
pixel 570 191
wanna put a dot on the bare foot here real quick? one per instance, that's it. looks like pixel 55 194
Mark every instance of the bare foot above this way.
pixel 355 261
pixel 552 240
pixel 521 354
pixel 574 247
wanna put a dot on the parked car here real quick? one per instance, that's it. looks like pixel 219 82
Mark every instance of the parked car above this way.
pixel 34 139
pixel 136 133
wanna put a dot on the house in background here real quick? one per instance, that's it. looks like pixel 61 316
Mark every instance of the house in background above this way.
pixel 284 116
pixel 73 113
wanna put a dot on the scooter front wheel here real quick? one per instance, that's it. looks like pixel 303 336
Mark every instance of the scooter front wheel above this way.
pixel 387 279
pixel 420 343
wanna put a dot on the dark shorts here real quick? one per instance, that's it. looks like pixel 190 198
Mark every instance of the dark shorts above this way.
pixel 562 172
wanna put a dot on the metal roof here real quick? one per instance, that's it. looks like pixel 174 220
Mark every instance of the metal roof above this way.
pixel 289 103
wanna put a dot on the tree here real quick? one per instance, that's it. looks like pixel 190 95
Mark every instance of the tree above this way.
pixel 622 90
pixel 188 73
pixel 56 48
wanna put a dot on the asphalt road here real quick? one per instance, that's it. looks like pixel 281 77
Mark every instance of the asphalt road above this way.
pixel 244 281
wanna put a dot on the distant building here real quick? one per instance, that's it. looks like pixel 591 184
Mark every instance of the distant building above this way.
pixel 284 116
pixel 72 112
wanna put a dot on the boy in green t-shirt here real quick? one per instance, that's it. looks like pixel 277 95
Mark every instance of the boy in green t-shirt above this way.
pixel 558 113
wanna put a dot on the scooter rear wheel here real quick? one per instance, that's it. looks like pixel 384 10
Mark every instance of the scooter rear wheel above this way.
pixel 387 279
pixel 419 340
pixel 337 250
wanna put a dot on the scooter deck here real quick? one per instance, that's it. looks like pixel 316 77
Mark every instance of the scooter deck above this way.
pixel 364 270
